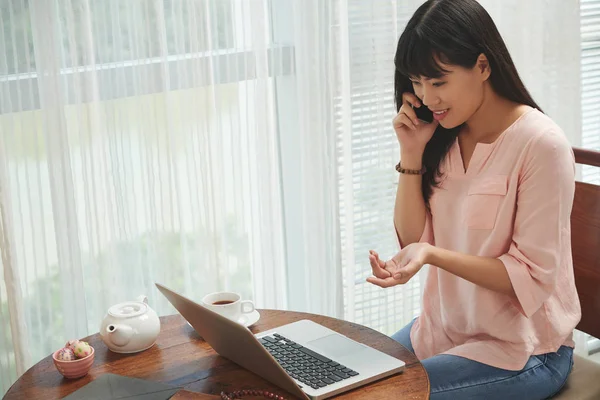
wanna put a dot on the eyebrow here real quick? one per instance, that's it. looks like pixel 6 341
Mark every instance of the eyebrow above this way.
pixel 429 79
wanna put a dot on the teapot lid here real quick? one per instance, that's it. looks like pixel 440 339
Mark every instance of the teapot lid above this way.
pixel 128 309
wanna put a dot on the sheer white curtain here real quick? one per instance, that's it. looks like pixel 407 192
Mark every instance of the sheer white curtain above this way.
pixel 142 141
pixel 214 144
pixel 544 39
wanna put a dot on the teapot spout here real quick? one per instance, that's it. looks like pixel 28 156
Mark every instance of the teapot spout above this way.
pixel 119 334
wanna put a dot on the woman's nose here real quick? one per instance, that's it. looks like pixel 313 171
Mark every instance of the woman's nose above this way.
pixel 429 97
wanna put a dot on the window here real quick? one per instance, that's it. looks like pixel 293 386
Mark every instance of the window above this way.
pixel 590 82
pixel 590 96
pixel 136 183
pixel 366 163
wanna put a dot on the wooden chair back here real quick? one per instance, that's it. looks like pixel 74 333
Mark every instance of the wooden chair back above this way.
pixel 585 241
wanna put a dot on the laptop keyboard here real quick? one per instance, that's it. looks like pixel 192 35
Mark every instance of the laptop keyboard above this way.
pixel 305 365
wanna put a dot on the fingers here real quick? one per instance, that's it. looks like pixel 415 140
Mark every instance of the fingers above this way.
pixel 376 257
pixel 388 282
pixel 407 109
pixel 411 98
pixel 391 265
pixel 381 263
pixel 383 283
pixel 405 273
pixel 404 119
pixel 409 102
pixel 382 271
pixel 378 266
pixel 401 278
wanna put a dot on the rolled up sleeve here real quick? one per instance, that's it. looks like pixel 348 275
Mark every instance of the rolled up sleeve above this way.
pixel 542 221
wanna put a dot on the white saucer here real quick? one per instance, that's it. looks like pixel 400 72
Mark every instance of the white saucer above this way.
pixel 249 319
pixel 246 319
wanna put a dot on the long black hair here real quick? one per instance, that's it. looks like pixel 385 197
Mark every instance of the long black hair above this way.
pixel 454 32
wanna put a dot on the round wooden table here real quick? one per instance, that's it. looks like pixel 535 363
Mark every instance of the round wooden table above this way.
pixel 181 358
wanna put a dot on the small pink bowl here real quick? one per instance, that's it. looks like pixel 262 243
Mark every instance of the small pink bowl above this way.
pixel 76 368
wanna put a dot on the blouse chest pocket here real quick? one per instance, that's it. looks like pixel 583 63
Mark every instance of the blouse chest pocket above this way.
pixel 483 201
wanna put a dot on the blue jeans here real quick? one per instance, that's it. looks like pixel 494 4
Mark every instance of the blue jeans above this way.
pixel 454 377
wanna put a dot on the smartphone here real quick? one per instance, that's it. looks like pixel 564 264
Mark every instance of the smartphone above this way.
pixel 424 114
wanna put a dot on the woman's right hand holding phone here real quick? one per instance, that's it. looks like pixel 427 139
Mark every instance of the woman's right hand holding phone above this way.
pixel 412 133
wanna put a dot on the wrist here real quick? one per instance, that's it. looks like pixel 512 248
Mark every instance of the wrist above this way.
pixel 411 160
pixel 431 255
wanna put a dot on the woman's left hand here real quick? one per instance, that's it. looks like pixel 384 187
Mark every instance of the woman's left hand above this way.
pixel 401 268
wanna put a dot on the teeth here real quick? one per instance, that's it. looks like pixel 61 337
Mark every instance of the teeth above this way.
pixel 440 112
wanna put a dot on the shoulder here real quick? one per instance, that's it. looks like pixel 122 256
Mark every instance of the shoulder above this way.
pixel 540 138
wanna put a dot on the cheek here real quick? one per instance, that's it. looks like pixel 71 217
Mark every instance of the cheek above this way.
pixel 464 104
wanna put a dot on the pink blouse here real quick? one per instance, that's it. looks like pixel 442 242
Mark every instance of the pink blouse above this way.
pixel 513 203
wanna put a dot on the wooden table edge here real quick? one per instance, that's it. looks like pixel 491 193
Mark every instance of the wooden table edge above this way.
pixel 186 393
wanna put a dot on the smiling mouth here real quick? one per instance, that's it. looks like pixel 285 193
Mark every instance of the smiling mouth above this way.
pixel 441 114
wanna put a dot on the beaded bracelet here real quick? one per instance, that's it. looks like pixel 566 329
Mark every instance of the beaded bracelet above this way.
pixel 241 393
pixel 410 171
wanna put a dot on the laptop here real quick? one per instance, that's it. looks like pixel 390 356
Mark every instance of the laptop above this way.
pixel 304 358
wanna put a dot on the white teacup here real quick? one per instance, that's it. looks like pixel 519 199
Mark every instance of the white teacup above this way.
pixel 228 304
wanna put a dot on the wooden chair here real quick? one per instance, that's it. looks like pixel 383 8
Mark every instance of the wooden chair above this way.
pixel 584 381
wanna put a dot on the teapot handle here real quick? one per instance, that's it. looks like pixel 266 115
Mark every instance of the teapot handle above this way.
pixel 143 299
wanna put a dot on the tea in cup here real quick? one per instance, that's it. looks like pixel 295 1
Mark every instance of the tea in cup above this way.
pixel 228 304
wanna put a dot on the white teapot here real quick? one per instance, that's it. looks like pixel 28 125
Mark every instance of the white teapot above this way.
pixel 130 327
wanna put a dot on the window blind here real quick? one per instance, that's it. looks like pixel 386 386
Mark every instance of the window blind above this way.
pixel 366 161
pixel 590 97
pixel 590 82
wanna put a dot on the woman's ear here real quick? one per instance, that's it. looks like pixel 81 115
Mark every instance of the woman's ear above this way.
pixel 483 67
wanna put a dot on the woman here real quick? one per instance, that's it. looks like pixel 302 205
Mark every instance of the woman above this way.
pixel 484 196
